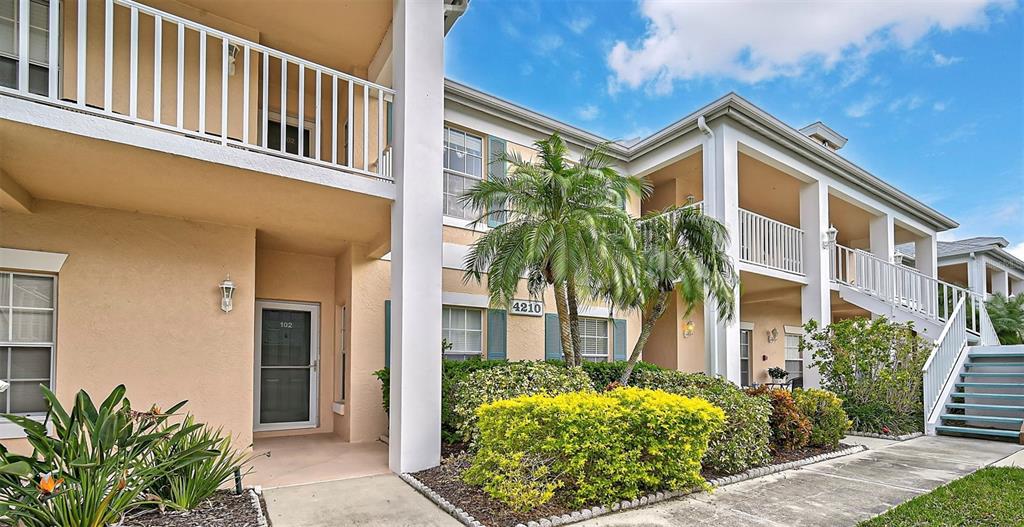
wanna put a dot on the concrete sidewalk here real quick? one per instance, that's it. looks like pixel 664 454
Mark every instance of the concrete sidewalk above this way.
pixel 383 500
pixel 839 492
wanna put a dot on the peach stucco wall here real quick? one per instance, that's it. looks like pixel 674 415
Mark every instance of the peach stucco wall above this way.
pixel 138 304
pixel 765 317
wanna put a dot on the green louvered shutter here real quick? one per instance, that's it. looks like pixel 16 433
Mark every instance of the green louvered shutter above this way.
pixel 552 337
pixel 497 331
pixel 387 333
pixel 495 170
pixel 619 339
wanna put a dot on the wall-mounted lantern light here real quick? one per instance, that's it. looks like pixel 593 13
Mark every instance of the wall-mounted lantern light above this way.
pixel 688 329
pixel 773 335
pixel 4 386
pixel 227 290
pixel 830 237
pixel 897 258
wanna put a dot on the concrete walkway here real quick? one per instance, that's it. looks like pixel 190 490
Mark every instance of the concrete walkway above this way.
pixel 383 500
pixel 839 492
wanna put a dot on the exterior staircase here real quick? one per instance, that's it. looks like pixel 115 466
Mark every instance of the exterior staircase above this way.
pixel 973 386
pixel 987 395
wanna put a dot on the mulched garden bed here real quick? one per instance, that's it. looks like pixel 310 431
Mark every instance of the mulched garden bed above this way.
pixel 223 509
pixel 446 480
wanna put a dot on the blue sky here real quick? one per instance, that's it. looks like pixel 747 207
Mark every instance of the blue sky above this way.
pixel 930 95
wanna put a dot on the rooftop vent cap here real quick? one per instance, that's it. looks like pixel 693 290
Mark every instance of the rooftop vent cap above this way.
pixel 821 133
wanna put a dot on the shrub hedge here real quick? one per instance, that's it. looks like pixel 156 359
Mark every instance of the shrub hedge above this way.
pixel 512 379
pixel 825 410
pixel 604 374
pixel 593 447
pixel 744 441
pixel 791 429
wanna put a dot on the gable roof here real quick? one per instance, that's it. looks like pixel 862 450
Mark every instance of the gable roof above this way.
pixel 993 245
pixel 730 105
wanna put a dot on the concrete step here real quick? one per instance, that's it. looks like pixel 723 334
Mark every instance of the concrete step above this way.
pixel 1000 385
pixel 968 430
pixel 992 419
pixel 988 375
pixel 999 365
pixel 995 354
pixel 989 407
pixel 983 395
pixel 1007 348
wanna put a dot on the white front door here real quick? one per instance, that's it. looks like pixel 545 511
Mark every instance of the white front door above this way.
pixel 287 365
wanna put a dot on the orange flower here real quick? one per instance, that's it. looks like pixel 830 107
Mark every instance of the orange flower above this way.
pixel 155 410
pixel 47 484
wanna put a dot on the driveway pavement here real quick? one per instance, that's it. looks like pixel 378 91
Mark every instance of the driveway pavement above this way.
pixel 839 492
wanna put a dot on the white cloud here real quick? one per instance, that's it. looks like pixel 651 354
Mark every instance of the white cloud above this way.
pixel 545 44
pixel 579 24
pixel 941 60
pixel 754 41
pixel 909 102
pixel 940 106
pixel 588 112
pixel 1017 250
pixel 863 107
pixel 958 134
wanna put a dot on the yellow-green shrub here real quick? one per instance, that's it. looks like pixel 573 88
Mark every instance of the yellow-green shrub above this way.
pixel 593 447
pixel 829 422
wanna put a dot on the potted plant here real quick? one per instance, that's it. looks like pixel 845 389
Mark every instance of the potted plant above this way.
pixel 778 374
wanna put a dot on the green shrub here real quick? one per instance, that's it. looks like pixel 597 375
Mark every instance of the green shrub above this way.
pixel 604 374
pixel 593 447
pixel 874 366
pixel 825 410
pixel 744 441
pixel 187 486
pixel 509 380
pixel 791 429
pixel 97 464
pixel 452 372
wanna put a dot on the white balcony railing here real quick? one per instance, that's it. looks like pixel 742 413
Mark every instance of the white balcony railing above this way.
pixel 770 243
pixel 127 61
pixel 905 288
pixel 940 364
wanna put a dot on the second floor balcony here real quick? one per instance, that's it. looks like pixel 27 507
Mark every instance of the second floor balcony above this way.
pixel 128 61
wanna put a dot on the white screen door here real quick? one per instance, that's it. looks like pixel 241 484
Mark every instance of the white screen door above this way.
pixel 287 360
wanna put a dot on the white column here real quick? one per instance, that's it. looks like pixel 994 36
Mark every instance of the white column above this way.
pixel 882 237
pixel 976 274
pixel 1000 282
pixel 415 432
pixel 815 297
pixel 721 201
pixel 926 256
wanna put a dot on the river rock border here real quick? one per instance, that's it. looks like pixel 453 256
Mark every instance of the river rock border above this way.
pixel 585 514
pixel 254 495
pixel 903 437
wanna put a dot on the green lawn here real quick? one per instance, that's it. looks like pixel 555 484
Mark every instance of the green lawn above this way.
pixel 990 496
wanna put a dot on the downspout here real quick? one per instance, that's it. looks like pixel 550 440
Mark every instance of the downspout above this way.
pixel 711 340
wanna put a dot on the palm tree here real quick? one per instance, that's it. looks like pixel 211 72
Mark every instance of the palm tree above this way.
pixel 563 226
pixel 686 250
pixel 1007 315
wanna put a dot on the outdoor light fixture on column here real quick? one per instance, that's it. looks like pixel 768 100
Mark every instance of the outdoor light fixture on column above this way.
pixel 897 258
pixel 227 290
pixel 4 386
pixel 830 237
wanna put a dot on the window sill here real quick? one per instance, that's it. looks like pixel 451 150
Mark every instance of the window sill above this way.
pixel 9 430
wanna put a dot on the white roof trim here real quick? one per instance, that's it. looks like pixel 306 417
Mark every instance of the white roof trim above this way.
pixel 24 260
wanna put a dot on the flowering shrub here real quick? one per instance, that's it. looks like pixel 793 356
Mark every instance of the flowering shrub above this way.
pixel 591 447
pixel 98 463
pixel 825 410
pixel 791 429
pixel 874 366
pixel 743 442
pixel 510 380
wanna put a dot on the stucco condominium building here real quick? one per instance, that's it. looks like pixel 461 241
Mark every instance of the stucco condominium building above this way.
pixel 255 209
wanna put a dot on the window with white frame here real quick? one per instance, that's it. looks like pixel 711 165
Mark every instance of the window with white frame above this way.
pixel 594 339
pixel 462 328
pixel 38 40
pixel 794 357
pixel 463 167
pixel 27 322
pixel 746 342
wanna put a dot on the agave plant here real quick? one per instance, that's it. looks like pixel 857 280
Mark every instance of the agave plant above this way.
pixel 189 485
pixel 97 464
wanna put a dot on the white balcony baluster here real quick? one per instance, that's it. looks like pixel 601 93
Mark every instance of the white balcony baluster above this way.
pixel 770 243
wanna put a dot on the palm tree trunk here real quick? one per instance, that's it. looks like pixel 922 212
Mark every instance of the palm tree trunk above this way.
pixel 649 319
pixel 574 319
pixel 563 324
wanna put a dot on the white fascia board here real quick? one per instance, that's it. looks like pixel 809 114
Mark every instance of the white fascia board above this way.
pixel 39 261
pixel 487 123
pixel 111 129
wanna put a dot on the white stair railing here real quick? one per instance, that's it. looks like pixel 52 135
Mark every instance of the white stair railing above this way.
pixel 130 62
pixel 944 357
pixel 770 243
pixel 904 287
